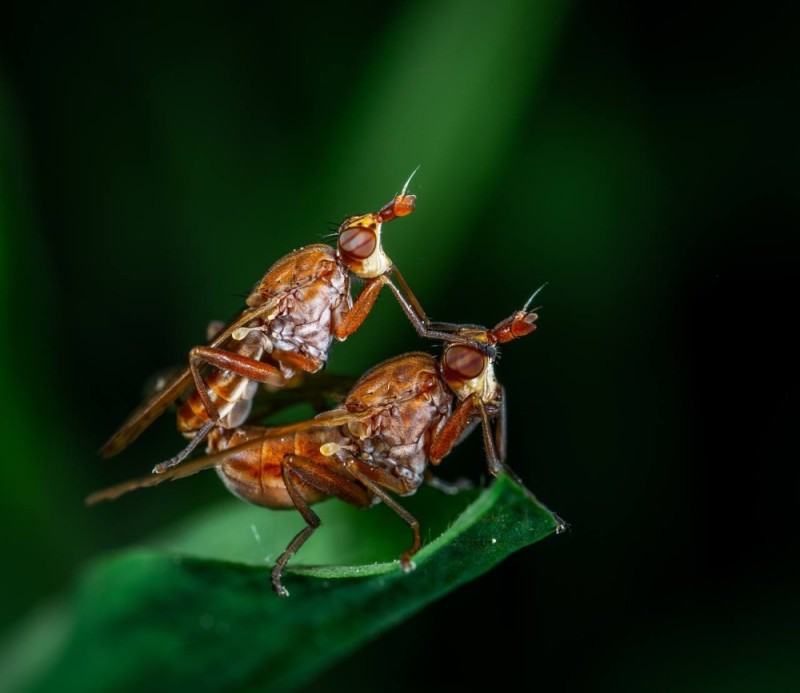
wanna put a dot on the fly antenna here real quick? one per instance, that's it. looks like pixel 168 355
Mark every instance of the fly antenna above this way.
pixel 405 187
pixel 533 295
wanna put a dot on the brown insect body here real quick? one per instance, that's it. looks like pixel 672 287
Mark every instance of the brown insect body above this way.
pixel 396 418
pixel 255 475
pixel 406 403
pixel 293 314
pixel 230 393
pixel 310 291
pixel 397 409
pixel 309 294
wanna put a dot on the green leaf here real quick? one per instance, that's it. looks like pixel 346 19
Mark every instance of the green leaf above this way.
pixel 202 614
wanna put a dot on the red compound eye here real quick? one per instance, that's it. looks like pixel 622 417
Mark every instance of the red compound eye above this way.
pixel 357 242
pixel 464 362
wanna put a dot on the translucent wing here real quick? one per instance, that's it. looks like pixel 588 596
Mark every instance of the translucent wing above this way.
pixel 337 417
pixel 151 409
pixel 322 390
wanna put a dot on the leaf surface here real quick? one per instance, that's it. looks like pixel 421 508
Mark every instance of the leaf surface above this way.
pixel 200 612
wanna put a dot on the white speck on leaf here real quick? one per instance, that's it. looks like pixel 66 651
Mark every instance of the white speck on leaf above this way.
pixel 254 529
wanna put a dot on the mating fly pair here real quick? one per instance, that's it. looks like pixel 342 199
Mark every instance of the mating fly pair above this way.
pixel 292 316
pixel 401 415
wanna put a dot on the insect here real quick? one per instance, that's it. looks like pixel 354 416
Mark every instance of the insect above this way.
pixel 397 418
pixel 293 314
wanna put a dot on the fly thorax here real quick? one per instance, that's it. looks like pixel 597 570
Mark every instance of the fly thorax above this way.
pixel 339 280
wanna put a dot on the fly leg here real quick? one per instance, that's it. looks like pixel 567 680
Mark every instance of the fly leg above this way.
pixel 501 427
pixel 224 360
pixel 358 312
pixel 497 463
pixel 451 488
pixel 500 445
pixel 150 410
pixel 424 327
pixel 464 415
pixel 414 303
pixel 377 480
pixel 411 307
pixel 461 419
pixel 295 469
pixel 297 362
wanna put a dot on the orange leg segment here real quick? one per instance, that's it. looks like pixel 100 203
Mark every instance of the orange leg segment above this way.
pixel 226 360
pixel 494 444
pixel 326 480
pixel 376 480
pixel 297 362
pixel 450 433
pixel 361 308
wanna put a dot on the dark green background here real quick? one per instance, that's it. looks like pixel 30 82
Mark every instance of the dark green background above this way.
pixel 156 160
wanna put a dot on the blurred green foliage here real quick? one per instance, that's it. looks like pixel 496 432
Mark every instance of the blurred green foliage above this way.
pixel 157 159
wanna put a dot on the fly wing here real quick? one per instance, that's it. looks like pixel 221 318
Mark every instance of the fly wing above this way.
pixel 328 419
pixel 322 390
pixel 336 417
pixel 179 472
pixel 145 414
pixel 150 410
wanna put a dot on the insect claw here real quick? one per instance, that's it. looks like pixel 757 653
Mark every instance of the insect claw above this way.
pixel 162 467
pixel 407 565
